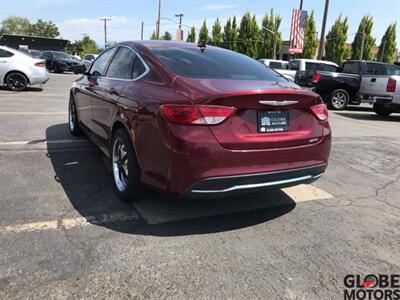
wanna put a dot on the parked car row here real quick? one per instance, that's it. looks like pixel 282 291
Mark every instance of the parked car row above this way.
pixel 352 82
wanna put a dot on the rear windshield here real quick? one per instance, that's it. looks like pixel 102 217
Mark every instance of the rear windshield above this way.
pixel 214 64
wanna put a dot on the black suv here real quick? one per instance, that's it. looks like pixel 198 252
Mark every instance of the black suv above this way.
pixel 59 62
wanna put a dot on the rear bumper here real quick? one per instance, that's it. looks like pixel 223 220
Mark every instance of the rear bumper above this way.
pixel 380 99
pixel 235 185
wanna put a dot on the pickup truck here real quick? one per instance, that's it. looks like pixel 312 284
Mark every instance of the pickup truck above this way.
pixel 355 81
pixel 386 98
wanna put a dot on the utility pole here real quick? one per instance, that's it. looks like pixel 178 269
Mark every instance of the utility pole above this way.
pixel 362 41
pixel 180 16
pixel 322 39
pixel 383 50
pixel 141 32
pixel 275 38
pixel 301 4
pixel 105 30
pixel 158 20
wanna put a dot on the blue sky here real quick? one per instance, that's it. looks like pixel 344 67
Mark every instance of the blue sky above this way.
pixel 76 17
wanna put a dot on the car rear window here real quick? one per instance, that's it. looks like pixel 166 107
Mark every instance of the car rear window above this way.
pixel 214 64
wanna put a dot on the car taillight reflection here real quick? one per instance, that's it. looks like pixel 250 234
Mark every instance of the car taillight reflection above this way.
pixel 197 114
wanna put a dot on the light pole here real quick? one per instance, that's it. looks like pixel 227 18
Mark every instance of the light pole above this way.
pixel 362 41
pixel 158 20
pixel 383 50
pixel 322 39
pixel 105 30
pixel 275 39
pixel 180 16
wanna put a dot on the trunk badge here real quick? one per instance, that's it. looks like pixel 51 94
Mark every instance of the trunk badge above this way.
pixel 278 103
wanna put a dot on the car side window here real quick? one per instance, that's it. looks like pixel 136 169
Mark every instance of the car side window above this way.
pixel 5 53
pixel 121 65
pixel 313 66
pixel 351 67
pixel 138 68
pixel 275 65
pixel 46 55
pixel 330 68
pixel 100 65
pixel 392 70
pixel 294 65
pixel 374 69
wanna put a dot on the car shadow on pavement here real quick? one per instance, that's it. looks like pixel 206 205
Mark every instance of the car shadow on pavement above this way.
pixel 29 89
pixel 369 117
pixel 83 173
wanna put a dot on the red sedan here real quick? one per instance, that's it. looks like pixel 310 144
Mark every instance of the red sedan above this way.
pixel 198 121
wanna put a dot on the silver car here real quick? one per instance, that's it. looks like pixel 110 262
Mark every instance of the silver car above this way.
pixel 88 59
pixel 19 70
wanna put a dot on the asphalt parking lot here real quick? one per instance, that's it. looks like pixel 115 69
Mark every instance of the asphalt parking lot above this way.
pixel 65 235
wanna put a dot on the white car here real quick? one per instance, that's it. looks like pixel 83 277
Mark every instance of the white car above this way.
pixel 298 68
pixel 19 71
pixel 88 59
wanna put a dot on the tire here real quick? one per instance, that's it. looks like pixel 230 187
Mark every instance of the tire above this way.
pixel 16 81
pixel 125 169
pixel 381 110
pixel 338 99
pixel 57 69
pixel 73 122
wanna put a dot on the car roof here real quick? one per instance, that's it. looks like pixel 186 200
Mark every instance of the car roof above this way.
pixel 367 61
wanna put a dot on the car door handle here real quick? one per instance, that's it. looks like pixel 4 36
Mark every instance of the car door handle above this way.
pixel 373 79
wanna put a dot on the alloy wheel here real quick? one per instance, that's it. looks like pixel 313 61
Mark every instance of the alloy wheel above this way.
pixel 339 100
pixel 120 164
pixel 16 81
pixel 72 116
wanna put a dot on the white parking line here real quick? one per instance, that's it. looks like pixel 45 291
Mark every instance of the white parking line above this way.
pixel 69 223
pixel 12 113
pixel 36 142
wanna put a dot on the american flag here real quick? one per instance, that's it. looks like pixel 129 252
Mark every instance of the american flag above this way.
pixel 297 31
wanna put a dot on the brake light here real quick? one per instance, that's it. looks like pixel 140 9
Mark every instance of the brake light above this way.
pixel 316 77
pixel 320 111
pixel 391 85
pixel 197 114
pixel 40 64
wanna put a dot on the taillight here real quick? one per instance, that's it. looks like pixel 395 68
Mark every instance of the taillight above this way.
pixel 320 111
pixel 391 85
pixel 40 64
pixel 197 114
pixel 316 77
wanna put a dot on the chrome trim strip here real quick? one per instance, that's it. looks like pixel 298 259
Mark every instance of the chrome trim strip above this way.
pixel 278 103
pixel 257 185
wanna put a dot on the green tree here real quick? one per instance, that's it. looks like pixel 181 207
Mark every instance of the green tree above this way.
pixel 44 29
pixel 203 34
pixel 153 36
pixel 248 35
pixel 15 25
pixel 22 26
pixel 310 38
pixel 217 33
pixel 167 36
pixel 191 38
pixel 369 42
pixel 84 46
pixel 335 46
pixel 387 48
pixel 270 23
